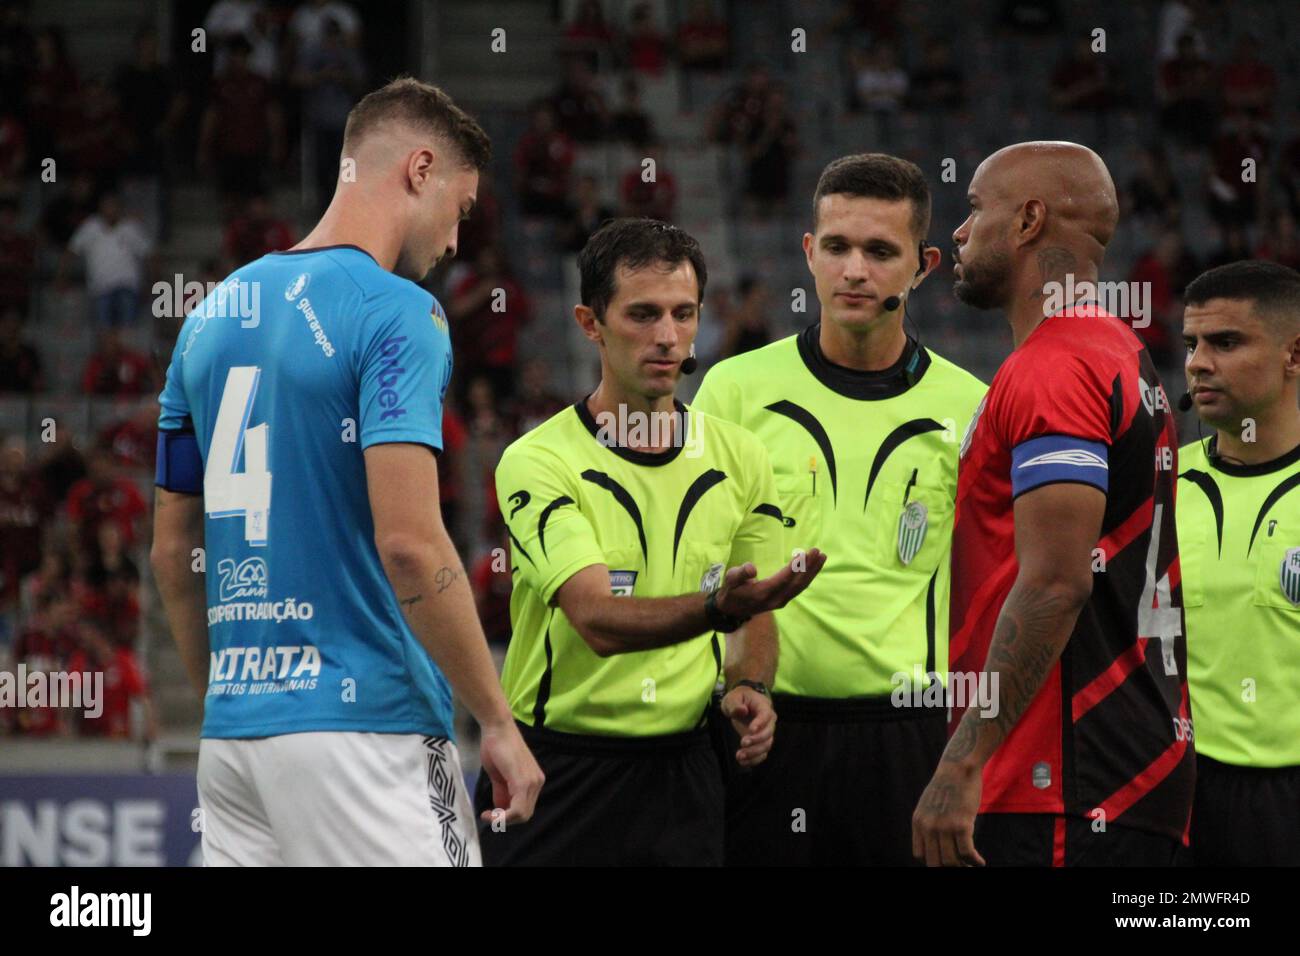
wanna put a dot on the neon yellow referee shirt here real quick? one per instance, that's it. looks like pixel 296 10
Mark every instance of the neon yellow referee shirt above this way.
pixel 1239 548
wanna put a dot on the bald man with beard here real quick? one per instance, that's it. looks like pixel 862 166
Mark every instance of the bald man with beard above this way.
pixel 1066 609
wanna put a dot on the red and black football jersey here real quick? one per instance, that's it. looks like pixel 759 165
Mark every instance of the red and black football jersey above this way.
pixel 1110 729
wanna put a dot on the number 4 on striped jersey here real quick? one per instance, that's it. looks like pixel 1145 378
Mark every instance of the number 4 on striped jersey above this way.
pixel 1157 615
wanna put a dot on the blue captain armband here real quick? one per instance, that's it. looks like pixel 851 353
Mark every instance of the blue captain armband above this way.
pixel 1056 458
pixel 180 465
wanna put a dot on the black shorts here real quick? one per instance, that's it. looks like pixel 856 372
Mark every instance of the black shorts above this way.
pixel 614 801
pixel 838 787
pixel 1046 839
pixel 1245 816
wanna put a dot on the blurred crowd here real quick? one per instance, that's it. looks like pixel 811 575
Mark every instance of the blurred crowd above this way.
pixel 258 134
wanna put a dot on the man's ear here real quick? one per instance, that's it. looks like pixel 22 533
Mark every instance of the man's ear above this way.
pixel 420 168
pixel 931 257
pixel 1031 221
pixel 1292 367
pixel 808 240
pixel 591 327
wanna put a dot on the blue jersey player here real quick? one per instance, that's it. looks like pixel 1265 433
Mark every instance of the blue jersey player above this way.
pixel 327 613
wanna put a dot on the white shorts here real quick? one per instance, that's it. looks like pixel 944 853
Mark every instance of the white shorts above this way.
pixel 335 799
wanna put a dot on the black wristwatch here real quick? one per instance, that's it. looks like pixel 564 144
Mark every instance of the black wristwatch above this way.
pixel 757 685
pixel 718 619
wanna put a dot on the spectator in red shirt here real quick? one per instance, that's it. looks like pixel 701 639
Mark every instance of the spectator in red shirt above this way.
pixel 654 198
pixel 1232 201
pixel 647 49
pixel 117 370
pixel 44 647
pixel 105 496
pixel 487 310
pixel 112 596
pixel 1167 267
pixel 453 443
pixel 255 232
pixel 97 136
pixel 491 580
pixel 703 41
pixel 242 129
pixel 1080 83
pixel 580 110
pixel 1248 83
pixel 134 440
pixel 124 683
pixel 588 35
pixel 543 159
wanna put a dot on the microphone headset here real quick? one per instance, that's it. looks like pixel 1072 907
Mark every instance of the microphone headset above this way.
pixel 891 304
pixel 1185 403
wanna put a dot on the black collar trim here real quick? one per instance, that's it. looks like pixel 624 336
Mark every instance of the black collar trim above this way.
pixel 855 383
pixel 1250 471
pixel 652 458
pixel 303 252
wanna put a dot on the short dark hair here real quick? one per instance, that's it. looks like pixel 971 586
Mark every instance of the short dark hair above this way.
pixel 877 176
pixel 425 107
pixel 634 243
pixel 1273 290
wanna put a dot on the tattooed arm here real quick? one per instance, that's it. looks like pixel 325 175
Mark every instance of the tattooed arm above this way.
pixel 1057 526
pixel 434 595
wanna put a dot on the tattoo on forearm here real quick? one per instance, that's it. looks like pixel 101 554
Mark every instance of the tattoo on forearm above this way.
pixel 1026 645
pixel 447 576
pixel 408 603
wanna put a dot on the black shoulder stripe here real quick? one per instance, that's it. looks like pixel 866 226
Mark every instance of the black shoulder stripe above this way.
pixel 917 426
pixel 1208 485
pixel 621 495
pixel 693 494
pixel 559 502
pixel 801 416
pixel 1269 502
pixel 772 511
pixel 1116 405
pixel 519 547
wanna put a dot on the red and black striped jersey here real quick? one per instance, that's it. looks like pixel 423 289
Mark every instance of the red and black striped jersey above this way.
pixel 1110 729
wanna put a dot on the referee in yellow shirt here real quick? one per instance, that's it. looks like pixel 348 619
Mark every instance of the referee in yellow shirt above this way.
pixel 863 424
pixel 1239 540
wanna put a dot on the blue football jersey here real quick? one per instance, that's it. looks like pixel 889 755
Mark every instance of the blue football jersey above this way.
pixel 286 372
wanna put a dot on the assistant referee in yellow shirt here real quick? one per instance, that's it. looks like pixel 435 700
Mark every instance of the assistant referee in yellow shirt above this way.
pixel 1239 540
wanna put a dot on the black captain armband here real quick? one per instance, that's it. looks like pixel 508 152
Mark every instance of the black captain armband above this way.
pixel 180 465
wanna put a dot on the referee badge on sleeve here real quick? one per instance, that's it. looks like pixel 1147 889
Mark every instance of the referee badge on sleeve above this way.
pixel 912 525
pixel 1291 576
